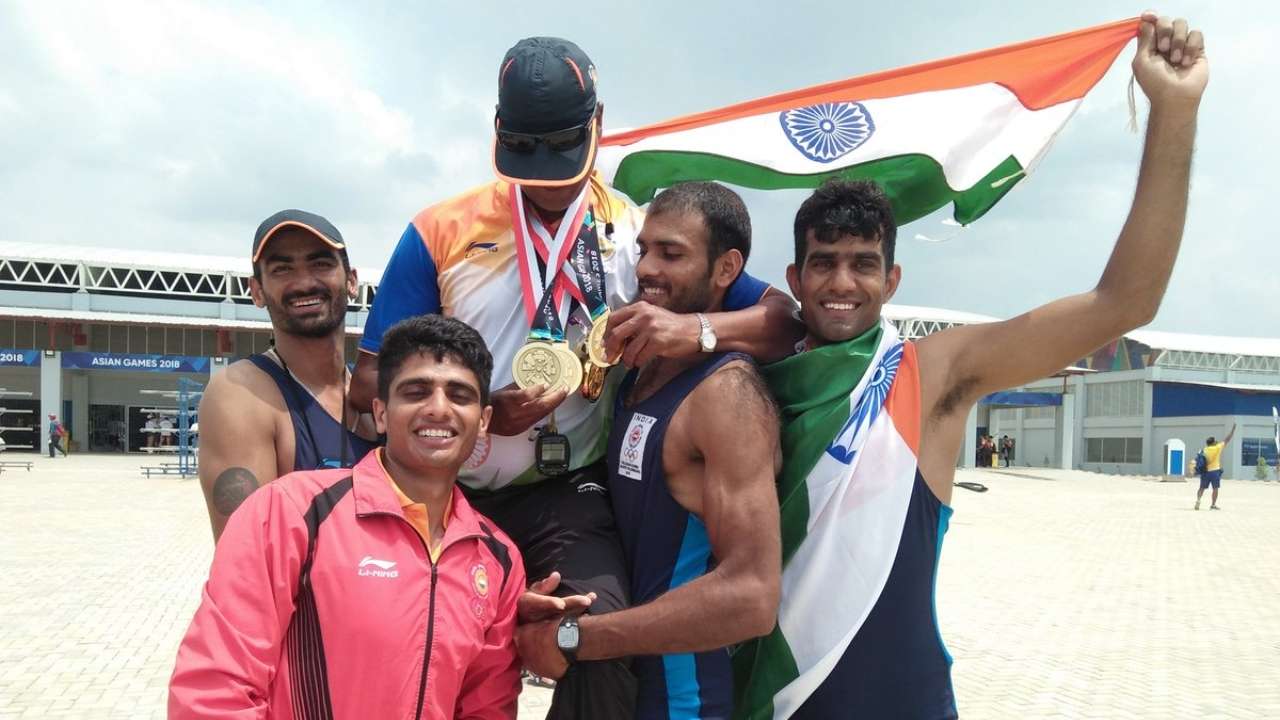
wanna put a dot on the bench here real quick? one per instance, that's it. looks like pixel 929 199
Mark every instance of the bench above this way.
pixel 165 469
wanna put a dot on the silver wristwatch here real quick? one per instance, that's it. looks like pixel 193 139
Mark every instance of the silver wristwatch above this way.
pixel 707 337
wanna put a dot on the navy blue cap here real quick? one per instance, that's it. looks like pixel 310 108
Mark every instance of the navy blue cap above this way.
pixel 545 84
pixel 310 222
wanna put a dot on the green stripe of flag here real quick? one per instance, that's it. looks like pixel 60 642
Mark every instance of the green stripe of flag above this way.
pixel 914 183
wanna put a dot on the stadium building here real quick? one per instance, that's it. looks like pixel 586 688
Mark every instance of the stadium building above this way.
pixel 99 337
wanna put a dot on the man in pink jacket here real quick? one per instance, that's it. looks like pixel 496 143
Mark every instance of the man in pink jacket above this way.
pixel 372 592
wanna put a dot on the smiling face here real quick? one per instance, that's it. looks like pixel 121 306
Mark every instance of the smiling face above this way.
pixel 303 284
pixel 675 272
pixel 842 286
pixel 432 415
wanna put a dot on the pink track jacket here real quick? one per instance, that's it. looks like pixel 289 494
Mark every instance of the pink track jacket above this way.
pixel 369 627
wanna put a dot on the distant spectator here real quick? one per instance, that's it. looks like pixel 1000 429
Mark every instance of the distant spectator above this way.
pixel 56 433
pixel 1213 468
pixel 166 430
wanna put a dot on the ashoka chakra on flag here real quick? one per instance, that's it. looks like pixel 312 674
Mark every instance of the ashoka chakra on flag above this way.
pixel 828 131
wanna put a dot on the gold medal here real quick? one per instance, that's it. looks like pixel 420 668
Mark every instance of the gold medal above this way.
pixel 595 342
pixel 554 365
pixel 593 377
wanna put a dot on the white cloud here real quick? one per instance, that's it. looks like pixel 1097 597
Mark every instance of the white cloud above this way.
pixel 180 125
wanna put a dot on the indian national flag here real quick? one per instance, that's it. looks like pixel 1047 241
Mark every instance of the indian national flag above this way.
pixel 963 130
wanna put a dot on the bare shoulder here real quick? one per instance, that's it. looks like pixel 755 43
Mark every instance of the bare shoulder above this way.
pixel 245 390
pixel 734 402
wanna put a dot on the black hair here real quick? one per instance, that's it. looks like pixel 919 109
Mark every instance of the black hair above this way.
pixel 440 336
pixel 726 217
pixel 1209 441
pixel 839 208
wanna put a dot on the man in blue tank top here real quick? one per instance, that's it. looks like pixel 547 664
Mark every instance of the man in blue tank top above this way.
pixel 286 409
pixel 873 424
pixel 692 455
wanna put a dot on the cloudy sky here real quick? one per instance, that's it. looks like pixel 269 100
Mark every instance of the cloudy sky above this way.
pixel 179 126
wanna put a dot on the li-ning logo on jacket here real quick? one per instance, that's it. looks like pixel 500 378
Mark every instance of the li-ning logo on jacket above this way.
pixel 372 567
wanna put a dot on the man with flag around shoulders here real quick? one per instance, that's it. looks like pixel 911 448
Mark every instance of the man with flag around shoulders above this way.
pixel 869 452
pixel 539 261
pixel 693 455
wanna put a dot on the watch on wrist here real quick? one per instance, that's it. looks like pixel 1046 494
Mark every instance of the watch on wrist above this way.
pixel 568 637
pixel 707 337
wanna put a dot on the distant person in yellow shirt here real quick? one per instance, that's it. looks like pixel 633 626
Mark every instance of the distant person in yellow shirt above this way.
pixel 1213 468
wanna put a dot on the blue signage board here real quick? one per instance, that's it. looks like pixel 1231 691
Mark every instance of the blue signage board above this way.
pixel 19 358
pixel 134 363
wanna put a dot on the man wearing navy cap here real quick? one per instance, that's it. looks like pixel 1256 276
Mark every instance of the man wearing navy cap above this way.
pixel 285 409
pixel 541 255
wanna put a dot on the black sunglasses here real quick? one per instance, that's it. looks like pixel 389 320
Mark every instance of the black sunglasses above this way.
pixel 556 140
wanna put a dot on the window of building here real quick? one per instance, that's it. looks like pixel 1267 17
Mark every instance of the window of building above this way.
pixel 100 338
pixel 119 337
pixel 24 335
pixel 137 340
pixel 155 341
pixel 1113 450
pixel 6 333
pixel 63 337
pixel 192 342
pixel 173 341
pixel 1251 448
pixel 244 344
pixel 1114 399
pixel 1041 412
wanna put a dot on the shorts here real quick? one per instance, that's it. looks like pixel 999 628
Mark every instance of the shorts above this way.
pixel 566 524
pixel 1211 477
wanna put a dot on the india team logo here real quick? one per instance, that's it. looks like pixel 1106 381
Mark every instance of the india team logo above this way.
pixel 480 580
pixel 829 131
pixel 632 451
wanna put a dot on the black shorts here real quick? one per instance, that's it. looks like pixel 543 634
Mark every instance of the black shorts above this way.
pixel 566 524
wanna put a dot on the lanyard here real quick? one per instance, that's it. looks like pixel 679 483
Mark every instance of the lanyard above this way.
pixel 544 292
pixel 582 273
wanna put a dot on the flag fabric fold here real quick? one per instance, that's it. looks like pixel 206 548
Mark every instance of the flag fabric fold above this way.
pixel 850 437
pixel 963 130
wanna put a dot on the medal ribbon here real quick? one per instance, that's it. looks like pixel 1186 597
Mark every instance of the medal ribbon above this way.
pixel 543 294
pixel 582 274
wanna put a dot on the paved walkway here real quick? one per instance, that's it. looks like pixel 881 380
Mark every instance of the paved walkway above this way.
pixel 1062 595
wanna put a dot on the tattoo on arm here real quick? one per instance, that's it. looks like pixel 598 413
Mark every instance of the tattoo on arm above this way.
pixel 231 488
